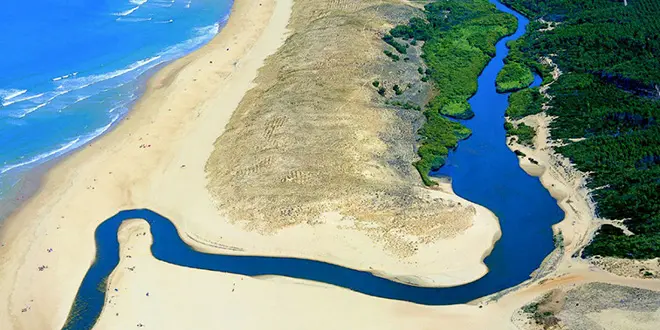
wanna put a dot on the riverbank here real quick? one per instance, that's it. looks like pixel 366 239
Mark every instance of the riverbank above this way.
pixel 156 158
pixel 150 292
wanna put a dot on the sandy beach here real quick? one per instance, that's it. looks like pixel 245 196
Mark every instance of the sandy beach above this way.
pixel 117 171
pixel 156 158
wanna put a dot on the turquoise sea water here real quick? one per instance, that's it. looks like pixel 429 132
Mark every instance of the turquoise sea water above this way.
pixel 70 69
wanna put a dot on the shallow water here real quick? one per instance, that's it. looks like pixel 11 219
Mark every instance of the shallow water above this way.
pixel 71 69
pixel 483 170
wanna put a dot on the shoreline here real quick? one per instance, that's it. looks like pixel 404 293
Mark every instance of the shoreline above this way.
pixel 25 233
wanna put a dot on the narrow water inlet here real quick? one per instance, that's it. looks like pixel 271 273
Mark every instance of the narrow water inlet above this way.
pixel 483 170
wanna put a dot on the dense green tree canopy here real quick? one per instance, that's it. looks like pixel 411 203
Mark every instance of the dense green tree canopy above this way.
pixel 606 107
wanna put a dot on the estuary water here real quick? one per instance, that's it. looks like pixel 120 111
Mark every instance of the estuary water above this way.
pixel 483 170
pixel 71 69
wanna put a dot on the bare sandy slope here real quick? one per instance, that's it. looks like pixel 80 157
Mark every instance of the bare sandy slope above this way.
pixel 156 157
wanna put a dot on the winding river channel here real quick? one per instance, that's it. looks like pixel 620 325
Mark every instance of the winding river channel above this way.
pixel 483 170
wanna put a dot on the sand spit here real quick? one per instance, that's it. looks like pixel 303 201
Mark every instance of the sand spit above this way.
pixel 182 298
pixel 156 158
pixel 308 150
pixel 152 293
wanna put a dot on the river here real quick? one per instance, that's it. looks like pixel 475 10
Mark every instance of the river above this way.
pixel 483 170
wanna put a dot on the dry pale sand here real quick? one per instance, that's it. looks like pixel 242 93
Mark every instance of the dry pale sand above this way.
pixel 155 158
pixel 616 319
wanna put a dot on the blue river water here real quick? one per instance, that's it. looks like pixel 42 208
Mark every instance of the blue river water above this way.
pixel 483 170
pixel 71 69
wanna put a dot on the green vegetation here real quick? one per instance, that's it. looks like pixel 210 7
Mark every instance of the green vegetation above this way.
pixel 406 105
pixel 389 54
pixel 417 29
pixel 398 46
pixel 460 39
pixel 439 136
pixel 397 90
pixel 603 37
pixel 376 83
pixel 513 76
pixel 517 54
pixel 558 239
pixel 541 313
pixel 524 133
pixel 460 110
pixel 519 153
pixel 607 100
pixel 524 103
pixel 381 91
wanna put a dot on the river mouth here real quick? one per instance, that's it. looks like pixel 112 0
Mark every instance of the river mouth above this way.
pixel 483 170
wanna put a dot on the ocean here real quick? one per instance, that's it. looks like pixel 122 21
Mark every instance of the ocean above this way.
pixel 69 70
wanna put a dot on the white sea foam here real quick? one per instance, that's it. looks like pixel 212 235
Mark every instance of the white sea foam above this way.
pixel 8 94
pixel 31 110
pixel 127 12
pixel 51 97
pixel 65 76
pixel 133 19
pixel 164 4
pixel 21 99
pixel 203 35
pixel 63 148
pixel 69 85
pixel 82 98
pixel 138 2
pixel 121 106
pixel 73 82
pixel 82 82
